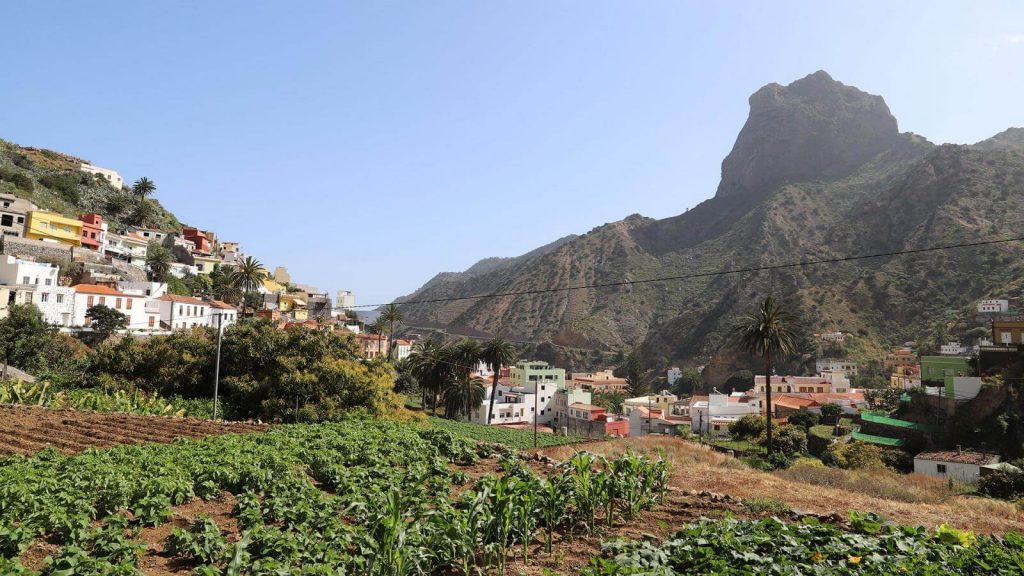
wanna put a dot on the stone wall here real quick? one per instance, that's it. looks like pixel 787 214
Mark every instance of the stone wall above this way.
pixel 36 250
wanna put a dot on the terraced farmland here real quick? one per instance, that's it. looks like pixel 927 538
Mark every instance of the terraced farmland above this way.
pixel 29 429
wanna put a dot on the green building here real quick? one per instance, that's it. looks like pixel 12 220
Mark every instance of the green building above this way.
pixel 941 370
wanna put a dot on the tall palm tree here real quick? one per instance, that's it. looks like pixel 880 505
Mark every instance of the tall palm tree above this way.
pixel 158 261
pixel 379 325
pixel 429 363
pixel 769 333
pixel 249 276
pixel 392 316
pixel 461 394
pixel 496 352
pixel 462 357
pixel 143 187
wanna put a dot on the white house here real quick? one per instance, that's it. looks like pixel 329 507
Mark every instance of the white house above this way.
pixel 130 248
pixel 148 234
pixel 565 398
pixel 713 416
pixel 143 288
pixel 222 312
pixel 643 422
pixel 993 306
pixel 345 299
pixel 959 465
pixel 183 312
pixel 180 269
pixel 672 375
pixel 512 405
pixel 133 306
pixel 57 303
pixel 832 337
pixel 112 176
pixel 952 349
pixel 403 348
pixel 16 271
pixel 847 367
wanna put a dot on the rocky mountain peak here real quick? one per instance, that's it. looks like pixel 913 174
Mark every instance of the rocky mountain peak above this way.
pixel 814 128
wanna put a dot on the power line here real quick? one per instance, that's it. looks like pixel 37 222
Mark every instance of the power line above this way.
pixel 767 267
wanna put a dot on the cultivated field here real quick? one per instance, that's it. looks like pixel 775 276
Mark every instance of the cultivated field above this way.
pixel 29 429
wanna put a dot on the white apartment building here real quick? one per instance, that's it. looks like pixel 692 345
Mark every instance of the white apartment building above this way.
pixel 952 349
pixel 993 306
pixel 112 176
pixel 345 299
pixel 847 367
pixel 139 316
pixel 57 303
pixel 714 415
pixel 182 312
pixel 15 271
pixel 130 248
pixel 541 378
pixel 511 406
pixel 825 383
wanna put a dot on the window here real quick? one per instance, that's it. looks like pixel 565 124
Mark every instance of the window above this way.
pixel 48 281
pixel 26 280
pixel 117 303
pixel 6 220
pixel 152 319
pixel 60 298
pixel 129 304
pixel 940 468
pixel 44 297
pixel 88 303
pixel 103 300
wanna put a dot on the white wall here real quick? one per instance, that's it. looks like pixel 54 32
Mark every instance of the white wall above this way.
pixel 955 470
pixel 57 303
pixel 15 271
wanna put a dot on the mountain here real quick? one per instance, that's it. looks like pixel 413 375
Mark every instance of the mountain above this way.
pixel 819 170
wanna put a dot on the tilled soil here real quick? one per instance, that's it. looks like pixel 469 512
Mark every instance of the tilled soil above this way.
pixel 28 429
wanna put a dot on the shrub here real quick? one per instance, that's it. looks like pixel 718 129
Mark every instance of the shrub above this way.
pixel 830 413
pixel 770 463
pixel 804 418
pixel 65 183
pixel 1008 484
pixel 747 427
pixel 20 181
pixel 767 505
pixel 853 455
pixel 787 439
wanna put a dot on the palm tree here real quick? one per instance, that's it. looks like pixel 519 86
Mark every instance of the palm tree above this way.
pixel 496 352
pixel 249 276
pixel 429 363
pixel 767 332
pixel 379 325
pixel 391 315
pixel 143 187
pixel 143 213
pixel 461 359
pixel 460 395
pixel 158 262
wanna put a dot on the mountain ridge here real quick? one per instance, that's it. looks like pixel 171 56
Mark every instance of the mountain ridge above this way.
pixel 864 187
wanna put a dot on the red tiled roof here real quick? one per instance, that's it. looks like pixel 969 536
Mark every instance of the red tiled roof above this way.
pixel 181 299
pixel 793 402
pixel 587 407
pixel 221 305
pixel 97 289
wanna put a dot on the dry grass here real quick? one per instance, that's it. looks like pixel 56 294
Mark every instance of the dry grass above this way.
pixel 909 499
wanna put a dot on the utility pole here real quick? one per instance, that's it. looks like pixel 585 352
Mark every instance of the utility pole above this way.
pixel 648 414
pixel 216 370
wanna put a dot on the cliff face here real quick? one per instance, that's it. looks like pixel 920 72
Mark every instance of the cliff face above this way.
pixel 819 170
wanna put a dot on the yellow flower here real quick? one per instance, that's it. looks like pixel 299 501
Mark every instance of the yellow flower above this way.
pixel 853 559
pixel 818 557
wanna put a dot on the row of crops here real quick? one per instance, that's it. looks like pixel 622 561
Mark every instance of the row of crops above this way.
pixel 871 547
pixel 42 394
pixel 514 438
pixel 349 497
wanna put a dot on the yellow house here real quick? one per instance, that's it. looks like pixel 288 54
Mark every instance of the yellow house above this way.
pixel 43 225
pixel 273 287
pixel 294 304
pixel 205 264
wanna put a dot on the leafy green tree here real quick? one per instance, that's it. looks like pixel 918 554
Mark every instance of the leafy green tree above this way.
pixel 105 320
pixel 638 376
pixel 748 427
pixel 830 413
pixel 768 333
pixel 804 419
pixel 249 275
pixel 24 336
pixel 853 455
pixel 391 315
pixel 143 187
pixel 158 261
pixel 740 381
pixel 789 441
pixel 223 285
pixel 497 352
pixel 690 382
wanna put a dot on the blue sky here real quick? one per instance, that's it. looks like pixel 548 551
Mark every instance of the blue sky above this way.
pixel 369 145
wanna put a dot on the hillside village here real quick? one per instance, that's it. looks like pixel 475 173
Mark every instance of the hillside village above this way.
pixel 158 278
